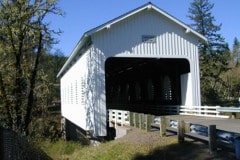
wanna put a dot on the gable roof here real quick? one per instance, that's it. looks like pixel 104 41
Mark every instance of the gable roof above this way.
pixel 108 24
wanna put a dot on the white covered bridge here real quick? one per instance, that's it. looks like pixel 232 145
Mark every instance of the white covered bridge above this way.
pixel 141 61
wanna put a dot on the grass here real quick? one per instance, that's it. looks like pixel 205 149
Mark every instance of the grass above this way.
pixel 106 151
pixel 132 147
pixel 60 149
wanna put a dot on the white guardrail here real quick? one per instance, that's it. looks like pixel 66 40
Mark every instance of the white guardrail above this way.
pixel 229 109
pixel 208 111
pixel 121 117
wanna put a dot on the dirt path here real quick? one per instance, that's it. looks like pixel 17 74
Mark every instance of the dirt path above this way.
pixel 168 148
pixel 137 136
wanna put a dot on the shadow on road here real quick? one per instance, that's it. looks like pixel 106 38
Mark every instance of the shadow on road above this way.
pixel 187 151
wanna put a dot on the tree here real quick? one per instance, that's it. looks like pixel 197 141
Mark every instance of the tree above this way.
pixel 50 65
pixel 236 51
pixel 231 77
pixel 214 54
pixel 47 115
pixel 24 37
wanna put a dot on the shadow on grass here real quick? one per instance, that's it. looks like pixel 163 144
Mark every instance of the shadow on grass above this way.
pixel 186 151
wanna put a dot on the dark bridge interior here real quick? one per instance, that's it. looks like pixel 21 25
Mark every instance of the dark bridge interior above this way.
pixel 144 85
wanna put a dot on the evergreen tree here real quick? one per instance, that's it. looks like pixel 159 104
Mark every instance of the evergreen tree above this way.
pixel 214 54
pixel 236 51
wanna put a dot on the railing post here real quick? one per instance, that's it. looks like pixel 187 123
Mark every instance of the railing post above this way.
pixel 162 126
pixel 218 113
pixel 137 120
pixel 134 119
pixel 131 119
pixel 149 120
pixel 212 138
pixel 141 121
pixel 115 119
pixel 181 131
pixel 205 110
pixel 122 118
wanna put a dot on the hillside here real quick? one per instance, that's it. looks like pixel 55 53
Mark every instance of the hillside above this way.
pixel 136 145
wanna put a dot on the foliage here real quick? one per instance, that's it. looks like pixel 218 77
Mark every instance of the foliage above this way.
pixel 47 113
pixel 231 77
pixel 236 51
pixel 25 37
pixel 214 54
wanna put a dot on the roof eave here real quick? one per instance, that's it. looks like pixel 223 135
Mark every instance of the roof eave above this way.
pixel 108 24
pixel 72 56
pixel 148 6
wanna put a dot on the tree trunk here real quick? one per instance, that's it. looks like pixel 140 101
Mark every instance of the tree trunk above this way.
pixel 20 86
pixel 32 86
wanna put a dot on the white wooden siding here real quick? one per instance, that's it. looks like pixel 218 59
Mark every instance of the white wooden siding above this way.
pixel 72 90
pixel 125 40
pixel 83 93
pixel 95 91
pixel 186 89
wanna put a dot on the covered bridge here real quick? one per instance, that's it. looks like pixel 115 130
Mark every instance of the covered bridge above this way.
pixel 141 61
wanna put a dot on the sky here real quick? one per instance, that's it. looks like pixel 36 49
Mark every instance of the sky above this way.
pixel 83 15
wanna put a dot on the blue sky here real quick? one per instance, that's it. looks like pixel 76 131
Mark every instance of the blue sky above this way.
pixel 83 15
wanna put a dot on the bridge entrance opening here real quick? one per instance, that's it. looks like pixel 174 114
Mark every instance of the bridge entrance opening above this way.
pixel 144 85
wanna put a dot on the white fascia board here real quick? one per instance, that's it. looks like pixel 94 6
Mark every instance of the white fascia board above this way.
pixel 108 24
pixel 74 53
pixel 188 29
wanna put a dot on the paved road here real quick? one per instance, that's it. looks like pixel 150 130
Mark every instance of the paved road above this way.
pixel 230 125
